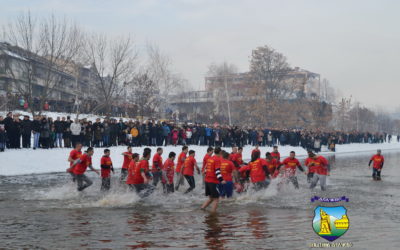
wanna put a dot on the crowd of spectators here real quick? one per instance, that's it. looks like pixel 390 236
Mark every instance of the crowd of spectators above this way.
pixel 44 132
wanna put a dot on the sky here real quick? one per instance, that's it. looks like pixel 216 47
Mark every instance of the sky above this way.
pixel 352 43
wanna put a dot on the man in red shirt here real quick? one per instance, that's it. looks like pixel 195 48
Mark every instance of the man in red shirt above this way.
pixel 258 172
pixel 378 161
pixel 181 161
pixel 289 167
pixel 271 163
pixel 168 173
pixel 228 172
pixel 125 165
pixel 275 153
pixel 188 170
pixel 213 178
pixel 106 167
pixel 236 157
pixel 74 155
pixel 79 168
pixel 131 169
pixel 208 155
pixel 141 180
pixel 321 169
pixel 157 166
pixel 256 149
pixel 309 163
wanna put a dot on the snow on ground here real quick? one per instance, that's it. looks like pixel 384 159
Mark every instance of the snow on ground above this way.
pixel 29 161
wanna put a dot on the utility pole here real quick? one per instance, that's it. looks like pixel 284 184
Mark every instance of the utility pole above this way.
pixel 227 97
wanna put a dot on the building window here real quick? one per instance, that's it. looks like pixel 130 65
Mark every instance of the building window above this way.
pixel 3 85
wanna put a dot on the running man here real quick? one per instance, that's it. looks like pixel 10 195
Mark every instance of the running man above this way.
pixel 131 170
pixel 321 169
pixel 141 177
pixel 188 170
pixel 275 153
pixel 378 161
pixel 125 165
pixel 256 149
pixel 236 157
pixel 181 161
pixel 157 166
pixel 106 168
pixel 79 168
pixel 74 155
pixel 309 162
pixel 168 173
pixel 272 165
pixel 258 172
pixel 208 155
pixel 213 178
pixel 228 172
pixel 289 168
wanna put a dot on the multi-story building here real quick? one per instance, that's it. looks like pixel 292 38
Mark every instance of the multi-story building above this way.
pixel 18 66
pixel 223 95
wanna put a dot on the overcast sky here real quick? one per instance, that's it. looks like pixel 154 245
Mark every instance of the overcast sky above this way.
pixel 355 44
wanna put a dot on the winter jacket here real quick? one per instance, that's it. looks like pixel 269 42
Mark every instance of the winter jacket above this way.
pixel 3 136
pixel 45 130
pixel 59 127
pixel 166 130
pixel 75 128
pixel 26 127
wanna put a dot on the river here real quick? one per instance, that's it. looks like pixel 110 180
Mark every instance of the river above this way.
pixel 45 211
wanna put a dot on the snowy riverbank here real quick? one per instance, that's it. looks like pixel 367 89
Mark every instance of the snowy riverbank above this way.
pixel 29 161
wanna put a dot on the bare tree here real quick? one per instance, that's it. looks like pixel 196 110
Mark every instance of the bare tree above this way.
pixel 342 115
pixel 41 49
pixel 159 69
pixel 144 94
pixel 114 63
pixel 218 76
pixel 328 93
pixel 270 70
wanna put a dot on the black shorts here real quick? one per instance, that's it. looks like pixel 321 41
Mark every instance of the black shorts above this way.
pixel 211 190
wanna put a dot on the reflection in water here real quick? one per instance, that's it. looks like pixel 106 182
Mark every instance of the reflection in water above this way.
pixel 257 222
pixel 80 222
pixel 213 232
pixel 138 224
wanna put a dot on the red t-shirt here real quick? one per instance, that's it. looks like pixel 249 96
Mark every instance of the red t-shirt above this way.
pixel 127 160
pixel 227 168
pixel 205 159
pixel 142 166
pixel 81 167
pixel 255 150
pixel 189 166
pixel 105 172
pixel 271 165
pixel 74 154
pixel 290 166
pixel 378 161
pixel 181 160
pixel 236 158
pixel 276 155
pixel 212 164
pixel 307 162
pixel 321 165
pixel 168 167
pixel 257 172
pixel 157 160
pixel 131 173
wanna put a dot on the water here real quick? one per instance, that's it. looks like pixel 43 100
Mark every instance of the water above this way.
pixel 45 211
